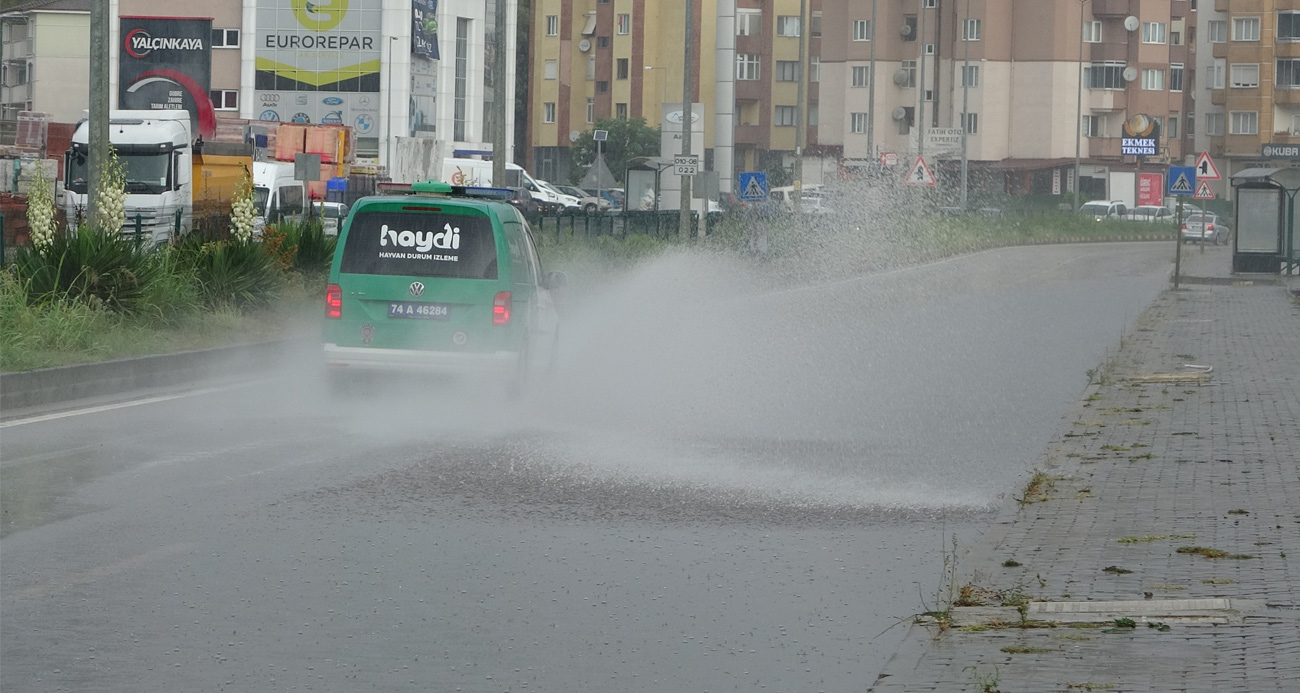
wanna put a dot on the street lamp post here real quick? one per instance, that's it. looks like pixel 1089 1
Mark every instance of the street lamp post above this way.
pixel 965 117
pixel 1078 113
pixel 684 220
pixel 388 127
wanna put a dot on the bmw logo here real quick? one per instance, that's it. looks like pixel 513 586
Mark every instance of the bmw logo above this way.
pixel 270 115
pixel 364 123
pixel 417 289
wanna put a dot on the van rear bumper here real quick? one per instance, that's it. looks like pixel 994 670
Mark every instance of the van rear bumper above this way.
pixel 419 361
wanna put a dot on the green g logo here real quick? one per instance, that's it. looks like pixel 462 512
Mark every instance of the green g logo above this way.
pixel 319 16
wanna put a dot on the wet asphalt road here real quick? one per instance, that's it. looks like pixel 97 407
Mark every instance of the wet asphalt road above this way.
pixel 724 488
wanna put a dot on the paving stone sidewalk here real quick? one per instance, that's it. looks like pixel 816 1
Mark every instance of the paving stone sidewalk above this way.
pixel 1140 471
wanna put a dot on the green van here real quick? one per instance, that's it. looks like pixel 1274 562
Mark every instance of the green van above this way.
pixel 431 278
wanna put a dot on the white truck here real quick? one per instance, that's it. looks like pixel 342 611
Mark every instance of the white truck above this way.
pixel 157 155
pixel 276 194
pixel 478 173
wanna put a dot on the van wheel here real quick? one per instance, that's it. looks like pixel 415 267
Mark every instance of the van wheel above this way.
pixel 519 381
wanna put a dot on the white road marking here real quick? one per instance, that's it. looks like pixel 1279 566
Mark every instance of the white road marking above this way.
pixel 111 407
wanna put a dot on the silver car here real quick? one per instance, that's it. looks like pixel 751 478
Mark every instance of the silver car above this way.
pixel 1205 227
pixel 589 202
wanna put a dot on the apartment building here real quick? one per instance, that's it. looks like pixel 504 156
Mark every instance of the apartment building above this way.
pixel 46 52
pixel 1249 95
pixel 596 59
pixel 1027 79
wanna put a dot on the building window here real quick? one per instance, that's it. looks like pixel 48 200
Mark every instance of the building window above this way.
pixel 1153 32
pixel 970 30
pixel 1288 73
pixel 1176 77
pixel 909 27
pixel 928 49
pixel 591 110
pixel 1172 130
pixel 929 4
pixel 225 38
pixel 787 70
pixel 548 112
pixel 905 123
pixel 909 74
pixel 786 116
pixel 602 42
pixel 621 68
pixel 815 25
pixel 1092 32
pixel 1191 124
pixel 624 24
pixel 1217 31
pixel 1214 124
pixel 1105 75
pixel 1094 126
pixel 1244 123
pixel 551 70
pixel 862 30
pixel 815 69
pixel 602 87
pixel 927 95
pixel 1295 124
pixel 460 101
pixel 858 123
pixel 591 68
pixel 1245 28
pixel 1288 26
pixel 552 25
pixel 225 99
pixel 620 110
pixel 970 76
pixel 1153 80
pixel 747 67
pixel 749 22
pixel 1245 75
pixel 813 115
pixel 971 122
pixel 1217 73
pixel 861 76
pixel 787 26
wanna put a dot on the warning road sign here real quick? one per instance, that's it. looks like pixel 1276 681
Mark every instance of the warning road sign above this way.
pixel 753 185
pixel 1203 191
pixel 1205 168
pixel 920 174
pixel 1182 180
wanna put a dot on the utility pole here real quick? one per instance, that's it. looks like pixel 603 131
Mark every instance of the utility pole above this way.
pixel 920 91
pixel 684 221
pixel 499 147
pixel 1078 113
pixel 965 88
pixel 801 115
pixel 871 96
pixel 98 155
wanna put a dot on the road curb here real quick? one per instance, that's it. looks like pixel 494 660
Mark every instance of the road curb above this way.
pixel 46 386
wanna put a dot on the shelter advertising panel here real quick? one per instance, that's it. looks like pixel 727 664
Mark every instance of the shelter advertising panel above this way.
pixel 165 64
pixel 319 62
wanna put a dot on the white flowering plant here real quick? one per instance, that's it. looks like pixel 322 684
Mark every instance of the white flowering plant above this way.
pixel 242 212
pixel 40 212
pixel 110 199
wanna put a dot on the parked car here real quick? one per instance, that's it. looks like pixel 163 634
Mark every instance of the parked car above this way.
pixel 523 201
pixel 331 215
pixel 442 283
pixel 569 203
pixel 1102 209
pixel 615 196
pixel 590 203
pixel 1152 214
pixel 1205 227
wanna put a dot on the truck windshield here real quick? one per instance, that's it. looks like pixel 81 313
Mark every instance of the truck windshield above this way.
pixel 146 173
pixel 260 194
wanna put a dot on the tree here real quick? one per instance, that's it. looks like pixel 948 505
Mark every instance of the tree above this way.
pixel 628 139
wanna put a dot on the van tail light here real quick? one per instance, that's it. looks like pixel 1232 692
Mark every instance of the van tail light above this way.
pixel 501 308
pixel 1209 226
pixel 334 302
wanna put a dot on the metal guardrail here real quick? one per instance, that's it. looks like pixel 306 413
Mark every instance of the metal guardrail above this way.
pixel 661 224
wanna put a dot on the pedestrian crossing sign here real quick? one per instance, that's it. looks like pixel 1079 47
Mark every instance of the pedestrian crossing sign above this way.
pixel 1203 191
pixel 920 174
pixel 1182 180
pixel 753 185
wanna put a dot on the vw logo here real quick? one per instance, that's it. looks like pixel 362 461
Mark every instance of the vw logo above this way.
pixel 417 289
pixel 459 339
pixel 367 333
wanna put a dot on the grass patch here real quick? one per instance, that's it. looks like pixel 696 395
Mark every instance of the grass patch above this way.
pixel 1213 553
pixel 1023 649
pixel 1116 570
pixel 1218 581
pixel 1090 686
pixel 1145 538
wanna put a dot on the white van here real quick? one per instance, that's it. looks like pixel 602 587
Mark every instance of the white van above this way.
pixel 276 195
pixel 478 173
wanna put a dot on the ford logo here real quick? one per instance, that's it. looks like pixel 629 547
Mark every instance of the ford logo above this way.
pixel 417 289
pixel 331 101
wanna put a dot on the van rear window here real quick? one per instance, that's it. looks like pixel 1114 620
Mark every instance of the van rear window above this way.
pixel 420 244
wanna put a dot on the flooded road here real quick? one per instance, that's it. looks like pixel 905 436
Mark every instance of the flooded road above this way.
pixel 725 486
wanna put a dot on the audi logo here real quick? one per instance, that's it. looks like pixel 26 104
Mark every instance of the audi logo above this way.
pixel 417 289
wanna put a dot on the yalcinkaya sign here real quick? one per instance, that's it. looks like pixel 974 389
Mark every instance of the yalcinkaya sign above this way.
pixel 166 65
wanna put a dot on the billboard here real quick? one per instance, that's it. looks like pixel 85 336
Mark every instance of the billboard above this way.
pixel 319 62
pixel 1151 189
pixel 424 29
pixel 165 64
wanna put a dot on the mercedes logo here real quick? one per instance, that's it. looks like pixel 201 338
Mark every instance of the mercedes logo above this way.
pixel 417 289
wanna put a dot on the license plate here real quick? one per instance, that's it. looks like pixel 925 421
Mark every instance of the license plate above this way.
pixel 419 311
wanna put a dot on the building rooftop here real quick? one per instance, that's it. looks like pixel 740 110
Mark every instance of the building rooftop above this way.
pixel 24 6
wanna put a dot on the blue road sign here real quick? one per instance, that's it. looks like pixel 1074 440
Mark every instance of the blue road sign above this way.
pixel 1182 180
pixel 753 185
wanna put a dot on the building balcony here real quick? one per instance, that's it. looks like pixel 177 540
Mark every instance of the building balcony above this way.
pixel 1105 100
pixel 1111 8
pixel 1286 49
pixel 1108 50
pixel 1218 97
pixel 750 89
pixel 1243 145
pixel 749 135
pixel 1286 95
pixel 1103 148
pixel 749 44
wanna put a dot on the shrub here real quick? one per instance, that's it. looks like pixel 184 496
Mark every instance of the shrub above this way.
pixel 89 265
pixel 230 273
pixel 313 251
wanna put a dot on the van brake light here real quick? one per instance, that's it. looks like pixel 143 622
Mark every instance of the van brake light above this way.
pixel 501 308
pixel 334 301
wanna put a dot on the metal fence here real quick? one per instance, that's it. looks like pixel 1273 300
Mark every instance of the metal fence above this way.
pixel 660 224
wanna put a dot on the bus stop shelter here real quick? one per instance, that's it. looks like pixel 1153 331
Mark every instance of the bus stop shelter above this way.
pixel 1264 240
